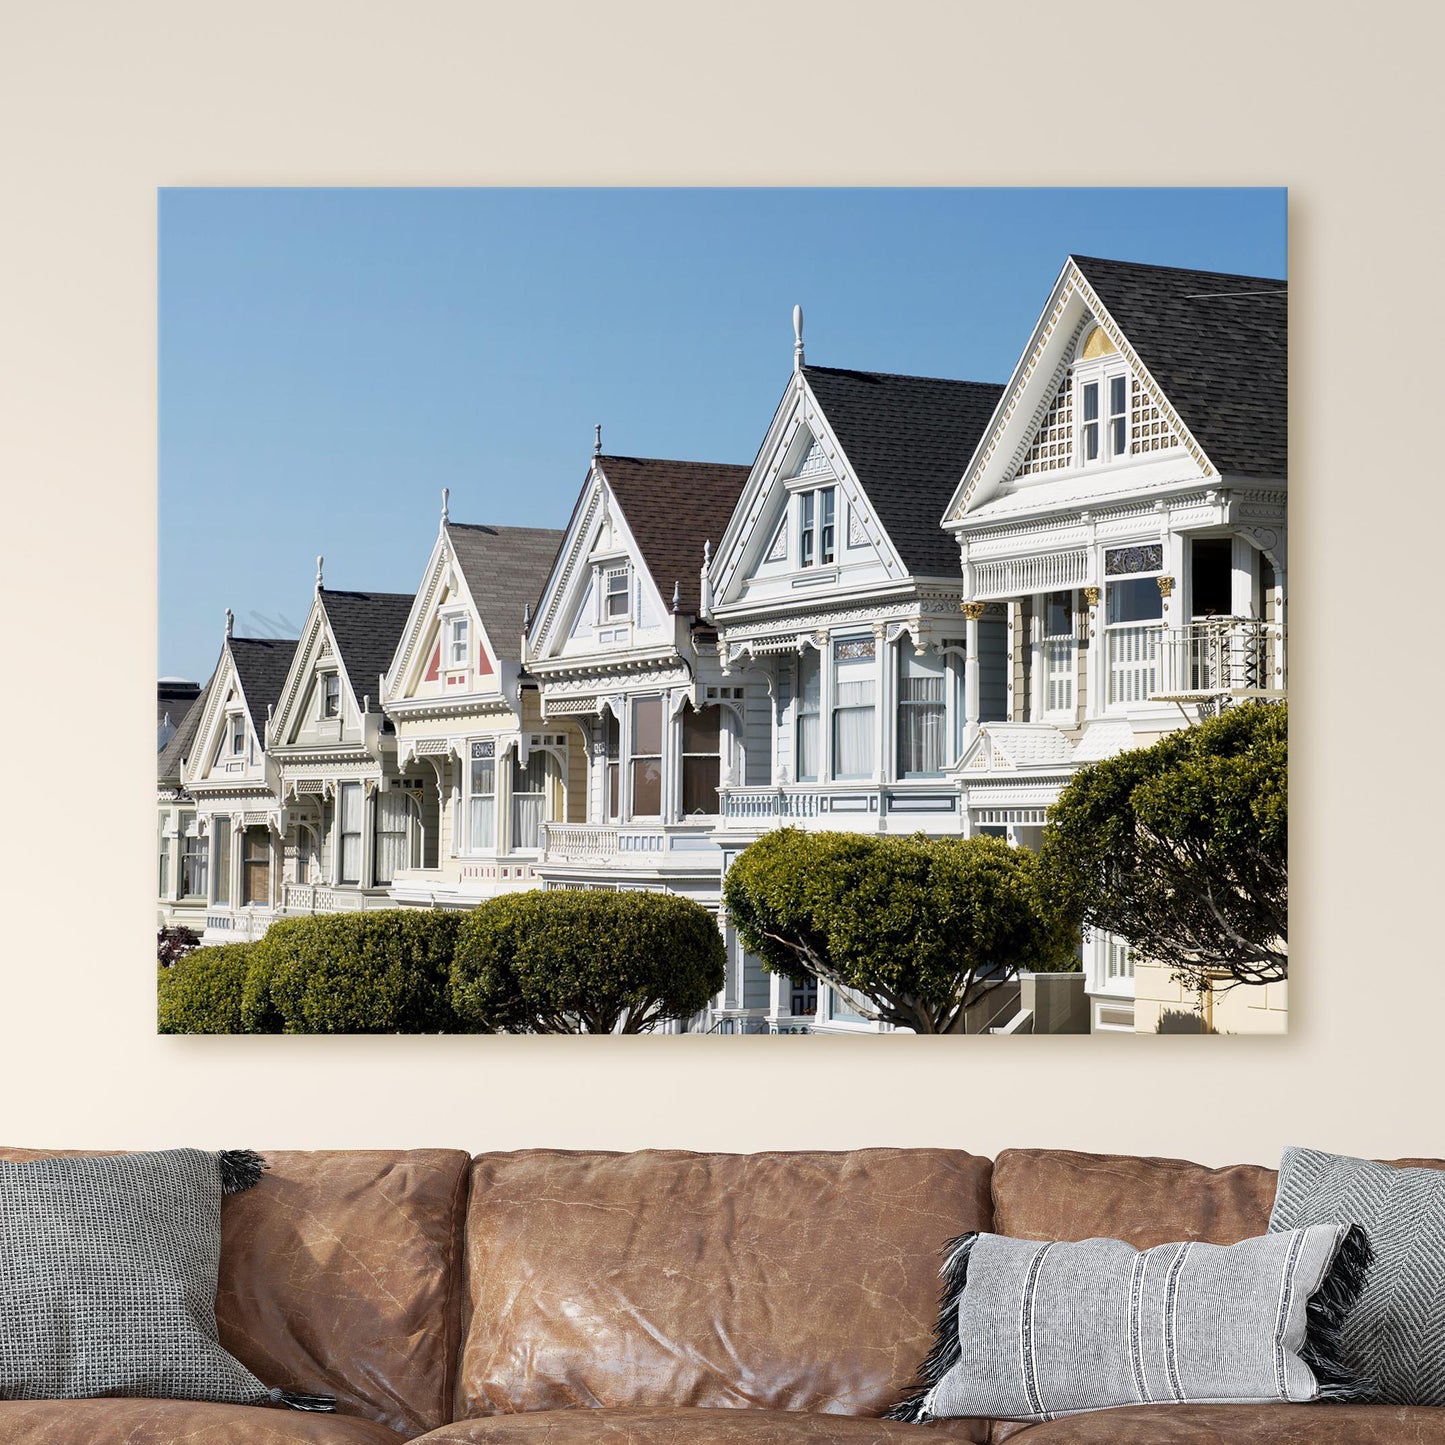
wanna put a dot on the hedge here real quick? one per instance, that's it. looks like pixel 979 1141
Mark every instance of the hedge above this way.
pixel 383 970
pixel 571 961
pixel 202 992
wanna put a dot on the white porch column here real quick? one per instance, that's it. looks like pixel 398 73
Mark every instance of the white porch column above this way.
pixel 883 714
pixel 972 707
pixel 1096 679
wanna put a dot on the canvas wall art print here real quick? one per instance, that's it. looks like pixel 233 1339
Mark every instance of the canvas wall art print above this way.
pixel 722 612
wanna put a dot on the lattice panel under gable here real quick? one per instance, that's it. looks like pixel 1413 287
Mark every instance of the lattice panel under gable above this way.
pixel 1053 447
pixel 1148 431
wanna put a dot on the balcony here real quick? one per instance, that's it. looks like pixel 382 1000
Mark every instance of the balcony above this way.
pixel 1232 656
pixel 239 925
pixel 623 843
pixel 322 898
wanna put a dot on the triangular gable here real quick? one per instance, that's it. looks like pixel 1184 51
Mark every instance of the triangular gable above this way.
pixel 598 534
pixel 224 695
pixel 800 445
pixel 416 670
pixel 1032 431
pixel 1007 747
pixel 315 648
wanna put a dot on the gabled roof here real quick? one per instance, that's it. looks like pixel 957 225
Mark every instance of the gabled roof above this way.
pixel 1001 746
pixel 366 627
pixel 1217 345
pixel 178 746
pixel 672 508
pixel 261 665
pixel 908 439
pixel 505 569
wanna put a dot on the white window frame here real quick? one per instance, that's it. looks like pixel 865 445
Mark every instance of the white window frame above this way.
pixel 814 531
pixel 343 833
pixel 835 709
pixel 456 632
pixel 1046 672
pixel 236 734
pixel 819 661
pixel 330 680
pixel 1108 630
pixel 1101 372
pixel 904 652
pixel 480 750
pixel 607 595
pixel 634 757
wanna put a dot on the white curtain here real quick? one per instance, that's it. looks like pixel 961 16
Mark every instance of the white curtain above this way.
pixel 350 828
pixel 482 822
pixel 810 730
pixel 529 800
pixel 393 834
pixel 921 717
pixel 853 721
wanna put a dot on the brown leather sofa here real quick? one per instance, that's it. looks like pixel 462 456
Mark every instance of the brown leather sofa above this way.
pixel 553 1297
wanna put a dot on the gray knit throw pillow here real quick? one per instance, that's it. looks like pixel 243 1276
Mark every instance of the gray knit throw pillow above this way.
pixel 108 1279
pixel 1032 1331
pixel 1396 1334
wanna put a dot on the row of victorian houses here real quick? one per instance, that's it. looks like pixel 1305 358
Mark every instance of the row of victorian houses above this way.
pixel 922 608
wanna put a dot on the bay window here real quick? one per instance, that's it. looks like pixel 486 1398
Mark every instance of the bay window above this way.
pixel 193 859
pixel 854 688
pixel 1057 645
pixel 482 798
pixel 1133 620
pixel 164 888
pixel 349 811
pixel 646 757
pixel 612 748
pixel 921 713
pixel 221 846
pixel 256 866
pixel 701 764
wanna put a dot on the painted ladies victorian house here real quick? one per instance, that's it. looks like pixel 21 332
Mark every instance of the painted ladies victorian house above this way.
pixel 347 822
pixel 835 594
pixel 235 851
pixel 627 665
pixel 1122 526
pixel 486 773
pixel 182 849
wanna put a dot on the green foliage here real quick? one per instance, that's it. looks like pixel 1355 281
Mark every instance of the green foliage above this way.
pixel 920 928
pixel 379 971
pixel 567 961
pixel 201 992
pixel 1182 847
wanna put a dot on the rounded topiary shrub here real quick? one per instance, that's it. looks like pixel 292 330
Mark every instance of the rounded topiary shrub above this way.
pixel 566 961
pixel 201 992
pixel 376 972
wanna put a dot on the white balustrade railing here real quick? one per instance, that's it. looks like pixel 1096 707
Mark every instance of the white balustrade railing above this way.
pixel 579 841
pixel 763 802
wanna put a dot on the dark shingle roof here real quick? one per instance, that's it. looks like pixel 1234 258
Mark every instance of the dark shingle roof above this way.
pixel 178 746
pixel 366 627
pixel 1217 344
pixel 505 569
pixel 908 439
pixel 672 508
pixel 174 695
pixel 262 664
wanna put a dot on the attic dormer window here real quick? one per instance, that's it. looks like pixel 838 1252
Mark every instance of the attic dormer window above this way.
pixel 816 527
pixel 458 632
pixel 616 595
pixel 1101 386
pixel 237 725
pixel 330 694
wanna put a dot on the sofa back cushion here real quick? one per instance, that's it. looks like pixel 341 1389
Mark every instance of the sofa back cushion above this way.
pixel 802 1281
pixel 341 1275
pixel 1061 1194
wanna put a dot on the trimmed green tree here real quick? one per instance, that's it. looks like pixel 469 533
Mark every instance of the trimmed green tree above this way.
pixel 383 970
pixel 566 961
pixel 201 992
pixel 1182 848
pixel 918 930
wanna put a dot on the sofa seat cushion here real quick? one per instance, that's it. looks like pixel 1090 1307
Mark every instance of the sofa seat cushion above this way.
pixel 1252 1424
pixel 783 1281
pixel 168 1422
pixel 696 1427
pixel 1062 1194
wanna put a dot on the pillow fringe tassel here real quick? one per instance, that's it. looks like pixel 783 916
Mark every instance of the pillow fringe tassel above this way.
pixel 1325 1318
pixel 317 1404
pixel 240 1169
pixel 917 1406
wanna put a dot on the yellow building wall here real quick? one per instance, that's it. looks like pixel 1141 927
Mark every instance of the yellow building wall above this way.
pixel 1161 1005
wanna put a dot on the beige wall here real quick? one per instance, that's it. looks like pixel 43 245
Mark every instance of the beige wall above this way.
pixel 100 104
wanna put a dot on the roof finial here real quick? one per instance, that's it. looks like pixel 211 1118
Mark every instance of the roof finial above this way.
pixel 597 439
pixel 526 616
pixel 319 561
pixel 706 552
pixel 446 509
pixel 797 338
pixel 676 595
pixel 230 621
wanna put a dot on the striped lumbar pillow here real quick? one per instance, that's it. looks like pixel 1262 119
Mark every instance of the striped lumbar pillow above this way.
pixel 1396 1334
pixel 1031 1331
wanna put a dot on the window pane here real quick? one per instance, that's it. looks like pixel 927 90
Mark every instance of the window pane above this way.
pixel 1118 394
pixel 221 836
pixel 1058 614
pixel 647 787
pixel 826 528
pixel 1134 599
pixel 700 729
pixel 393 834
pixel 1091 401
pixel 482 825
pixel 810 732
pixel 647 727
pixel 1091 441
pixel 612 734
pixel 921 713
pixel 700 777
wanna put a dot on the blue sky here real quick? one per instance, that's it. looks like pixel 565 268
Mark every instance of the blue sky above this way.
pixel 331 359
